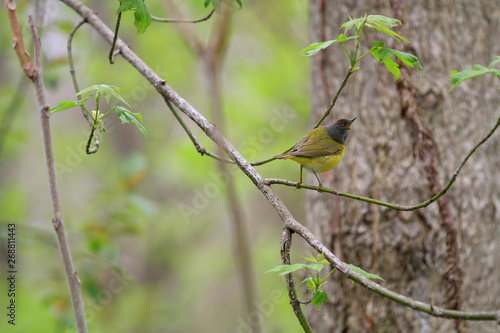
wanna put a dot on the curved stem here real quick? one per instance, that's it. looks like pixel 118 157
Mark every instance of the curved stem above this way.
pixel 166 20
pixel 86 114
pixel 348 54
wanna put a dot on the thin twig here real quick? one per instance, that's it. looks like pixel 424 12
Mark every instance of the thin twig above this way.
pixel 112 50
pixel 199 148
pixel 286 242
pixel 334 100
pixel 283 212
pixel 35 74
pixel 166 20
pixel 77 89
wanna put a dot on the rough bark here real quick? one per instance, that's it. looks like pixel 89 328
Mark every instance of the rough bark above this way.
pixel 409 249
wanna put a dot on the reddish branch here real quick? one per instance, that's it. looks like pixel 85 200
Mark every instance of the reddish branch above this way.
pixel 17 39
pixel 452 275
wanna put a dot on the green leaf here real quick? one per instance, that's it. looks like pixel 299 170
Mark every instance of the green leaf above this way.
pixel 383 20
pixel 316 47
pixel 127 116
pixel 378 23
pixel 478 70
pixel 142 17
pixel 364 273
pixel 240 3
pixel 317 267
pixel 310 283
pixel 310 260
pixel 64 105
pixel 286 269
pixel 319 298
pixel 352 23
pixel 387 32
pixel 106 90
pixel 343 38
pixel 384 54
pixel 408 59
pixel 216 4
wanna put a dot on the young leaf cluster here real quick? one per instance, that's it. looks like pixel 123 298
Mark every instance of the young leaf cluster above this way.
pixel 379 23
pixel 106 91
pixel 314 281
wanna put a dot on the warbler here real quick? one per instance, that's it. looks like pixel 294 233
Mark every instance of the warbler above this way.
pixel 322 149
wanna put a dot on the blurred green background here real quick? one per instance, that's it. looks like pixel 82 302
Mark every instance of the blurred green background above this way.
pixel 145 264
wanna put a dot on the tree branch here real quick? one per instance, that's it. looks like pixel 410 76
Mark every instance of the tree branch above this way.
pixel 17 39
pixel 34 72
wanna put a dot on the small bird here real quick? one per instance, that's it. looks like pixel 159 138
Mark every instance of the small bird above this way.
pixel 322 149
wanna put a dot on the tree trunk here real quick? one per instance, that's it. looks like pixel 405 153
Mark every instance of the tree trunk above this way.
pixel 410 250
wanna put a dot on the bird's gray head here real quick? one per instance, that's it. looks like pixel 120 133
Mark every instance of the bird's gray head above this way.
pixel 339 131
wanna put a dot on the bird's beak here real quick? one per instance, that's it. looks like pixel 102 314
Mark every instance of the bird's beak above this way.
pixel 353 119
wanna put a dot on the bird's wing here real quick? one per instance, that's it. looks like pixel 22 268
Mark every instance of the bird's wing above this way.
pixel 317 143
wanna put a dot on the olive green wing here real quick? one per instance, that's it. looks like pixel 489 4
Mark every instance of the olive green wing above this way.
pixel 317 143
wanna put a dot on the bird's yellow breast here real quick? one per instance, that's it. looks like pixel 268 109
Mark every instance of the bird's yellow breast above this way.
pixel 320 164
